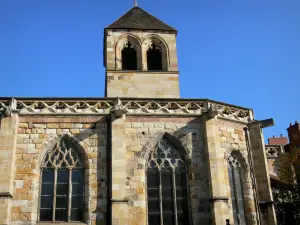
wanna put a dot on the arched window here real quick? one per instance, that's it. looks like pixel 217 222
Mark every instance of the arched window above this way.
pixel 236 190
pixel 167 187
pixel 62 186
pixel 155 53
pixel 154 58
pixel 129 57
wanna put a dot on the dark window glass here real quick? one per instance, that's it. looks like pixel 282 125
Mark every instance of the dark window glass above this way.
pixel 47 188
pixel 62 176
pixel 166 179
pixel 76 214
pixel 168 218
pixel 167 205
pixel 182 218
pixel 61 215
pixel 154 58
pixel 236 191
pixel 47 202
pixel 152 178
pixel 129 58
pixel 47 195
pixel 77 176
pixel 46 214
pixel 62 195
pixel 153 205
pixel 181 179
pixel 181 193
pixel 167 187
pixel 154 219
pixel 61 202
pixel 48 176
pixel 182 205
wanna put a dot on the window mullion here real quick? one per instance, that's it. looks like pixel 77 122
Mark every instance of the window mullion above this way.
pixel 174 197
pixel 160 199
pixel 54 194
pixel 70 195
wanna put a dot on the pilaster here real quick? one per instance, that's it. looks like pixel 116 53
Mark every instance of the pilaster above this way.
pixel 220 212
pixel 260 165
pixel 118 201
pixel 8 141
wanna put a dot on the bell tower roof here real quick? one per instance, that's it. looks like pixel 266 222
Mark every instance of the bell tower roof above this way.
pixel 139 19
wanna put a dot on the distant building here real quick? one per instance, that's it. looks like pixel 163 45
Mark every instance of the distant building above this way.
pixel 294 136
pixel 278 140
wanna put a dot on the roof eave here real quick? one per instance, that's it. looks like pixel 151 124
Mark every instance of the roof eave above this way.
pixel 143 30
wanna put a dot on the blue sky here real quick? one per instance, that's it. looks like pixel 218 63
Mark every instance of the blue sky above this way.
pixel 241 52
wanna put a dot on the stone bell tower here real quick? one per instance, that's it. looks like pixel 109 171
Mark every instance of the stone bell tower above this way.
pixel 140 57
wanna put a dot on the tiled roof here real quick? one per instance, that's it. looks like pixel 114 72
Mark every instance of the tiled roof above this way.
pixel 137 18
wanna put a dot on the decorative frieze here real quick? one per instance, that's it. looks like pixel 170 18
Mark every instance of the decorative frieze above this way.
pixel 106 106
pixel 273 150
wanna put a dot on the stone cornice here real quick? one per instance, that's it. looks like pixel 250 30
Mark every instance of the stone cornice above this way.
pixel 129 106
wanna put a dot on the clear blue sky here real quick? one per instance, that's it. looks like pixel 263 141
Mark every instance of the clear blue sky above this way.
pixel 241 52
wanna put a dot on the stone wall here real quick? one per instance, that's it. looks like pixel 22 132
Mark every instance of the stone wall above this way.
pixel 233 142
pixel 141 83
pixel 207 143
pixel 142 135
pixel 37 135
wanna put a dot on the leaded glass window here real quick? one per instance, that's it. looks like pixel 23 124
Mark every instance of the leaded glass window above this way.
pixel 62 197
pixel 167 187
pixel 236 190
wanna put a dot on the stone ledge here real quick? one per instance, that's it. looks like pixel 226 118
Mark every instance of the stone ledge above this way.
pixel 60 223
pixel 219 199
pixel 5 195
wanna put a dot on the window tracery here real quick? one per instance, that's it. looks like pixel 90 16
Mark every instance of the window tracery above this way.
pixel 128 53
pixel 156 54
pixel 167 186
pixel 236 190
pixel 62 184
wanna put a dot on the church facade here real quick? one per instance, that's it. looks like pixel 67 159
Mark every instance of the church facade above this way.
pixel 139 156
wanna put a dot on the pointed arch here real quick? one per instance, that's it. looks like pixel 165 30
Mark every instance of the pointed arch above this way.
pixel 153 142
pixel 77 144
pixel 62 185
pixel 155 53
pixel 128 53
pixel 168 193
pixel 241 187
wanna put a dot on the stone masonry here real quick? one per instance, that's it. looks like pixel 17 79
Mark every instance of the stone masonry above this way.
pixel 141 83
pixel 116 147
pixel 113 138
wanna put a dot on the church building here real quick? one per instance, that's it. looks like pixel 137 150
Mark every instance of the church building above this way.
pixel 141 155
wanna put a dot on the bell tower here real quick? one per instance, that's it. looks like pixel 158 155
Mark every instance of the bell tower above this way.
pixel 140 57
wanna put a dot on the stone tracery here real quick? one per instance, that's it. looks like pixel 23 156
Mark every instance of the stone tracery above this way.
pixel 62 155
pixel 166 156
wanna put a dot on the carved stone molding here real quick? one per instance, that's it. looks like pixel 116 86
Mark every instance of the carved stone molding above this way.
pixel 134 106
pixel 273 150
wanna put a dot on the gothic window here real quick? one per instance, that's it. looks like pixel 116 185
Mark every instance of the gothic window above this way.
pixel 167 187
pixel 154 58
pixel 236 190
pixel 129 57
pixel 62 185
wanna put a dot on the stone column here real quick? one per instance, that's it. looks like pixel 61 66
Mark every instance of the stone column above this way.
pixel 8 141
pixel 119 203
pixel 217 170
pixel 261 172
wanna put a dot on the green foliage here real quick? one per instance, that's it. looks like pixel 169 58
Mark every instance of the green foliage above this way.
pixel 287 164
pixel 286 193
pixel 287 203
